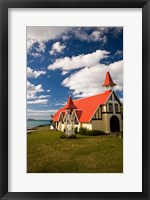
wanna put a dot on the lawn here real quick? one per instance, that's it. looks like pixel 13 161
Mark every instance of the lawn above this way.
pixel 48 153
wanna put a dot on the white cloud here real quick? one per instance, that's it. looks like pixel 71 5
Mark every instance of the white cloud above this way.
pixel 59 104
pixel 38 101
pixel 99 33
pixel 40 114
pixel 41 34
pixel 88 81
pixel 119 53
pixel 32 90
pixel 39 97
pixel 80 61
pixel 57 48
pixel 64 72
pixel 34 74
pixel 41 47
pixel 35 54
pixel 47 90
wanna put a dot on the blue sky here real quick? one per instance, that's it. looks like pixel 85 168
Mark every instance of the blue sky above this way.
pixel 63 61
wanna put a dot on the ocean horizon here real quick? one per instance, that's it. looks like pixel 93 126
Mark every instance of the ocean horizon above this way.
pixel 32 123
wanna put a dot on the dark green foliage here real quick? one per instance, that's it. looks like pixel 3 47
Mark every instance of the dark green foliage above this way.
pixel 63 135
pixel 82 131
pixel 76 130
pixel 72 136
pixel 94 132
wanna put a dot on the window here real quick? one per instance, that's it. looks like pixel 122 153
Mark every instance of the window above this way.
pixel 110 107
pixel 116 107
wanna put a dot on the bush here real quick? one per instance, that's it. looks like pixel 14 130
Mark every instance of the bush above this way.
pixel 73 136
pixel 76 130
pixel 82 131
pixel 95 132
pixel 63 136
pixel 85 131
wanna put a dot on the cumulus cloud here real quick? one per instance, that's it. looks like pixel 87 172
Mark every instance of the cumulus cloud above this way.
pixel 88 81
pixel 38 101
pixel 40 111
pixel 80 61
pixel 64 72
pixel 60 104
pixel 98 34
pixel 57 48
pixel 34 74
pixel 32 90
pixel 41 34
pixel 40 114
pixel 39 97
pixel 118 53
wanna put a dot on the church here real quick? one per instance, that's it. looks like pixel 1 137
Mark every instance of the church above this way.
pixel 98 112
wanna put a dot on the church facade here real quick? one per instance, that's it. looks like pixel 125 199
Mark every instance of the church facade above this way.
pixel 98 112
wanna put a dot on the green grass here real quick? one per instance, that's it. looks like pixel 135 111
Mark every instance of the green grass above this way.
pixel 48 153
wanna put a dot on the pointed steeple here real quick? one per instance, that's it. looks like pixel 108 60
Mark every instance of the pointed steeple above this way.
pixel 108 81
pixel 70 104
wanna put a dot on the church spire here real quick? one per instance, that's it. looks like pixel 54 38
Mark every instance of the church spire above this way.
pixel 70 104
pixel 108 81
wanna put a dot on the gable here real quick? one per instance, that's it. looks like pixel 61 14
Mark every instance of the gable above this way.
pixel 115 98
pixel 98 114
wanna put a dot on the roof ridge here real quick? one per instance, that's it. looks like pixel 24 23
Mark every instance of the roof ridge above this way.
pixel 92 95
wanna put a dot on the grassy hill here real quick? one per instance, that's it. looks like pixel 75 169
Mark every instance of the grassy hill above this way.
pixel 48 153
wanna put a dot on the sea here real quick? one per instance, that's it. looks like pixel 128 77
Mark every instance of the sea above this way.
pixel 34 123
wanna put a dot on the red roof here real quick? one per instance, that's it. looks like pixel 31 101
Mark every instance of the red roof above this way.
pixel 108 80
pixel 70 104
pixel 57 114
pixel 86 107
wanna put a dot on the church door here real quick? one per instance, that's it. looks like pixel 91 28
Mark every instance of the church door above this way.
pixel 114 124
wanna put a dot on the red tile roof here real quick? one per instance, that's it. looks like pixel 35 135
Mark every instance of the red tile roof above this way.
pixel 86 107
pixel 108 80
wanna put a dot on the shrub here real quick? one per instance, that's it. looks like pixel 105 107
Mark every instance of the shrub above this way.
pixel 63 136
pixel 73 136
pixel 82 131
pixel 76 130
pixel 95 132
